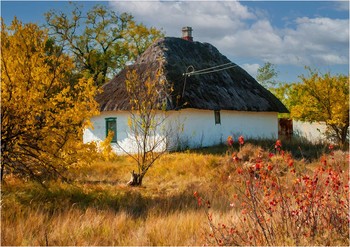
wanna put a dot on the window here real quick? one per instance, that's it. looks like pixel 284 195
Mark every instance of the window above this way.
pixel 217 117
pixel 111 124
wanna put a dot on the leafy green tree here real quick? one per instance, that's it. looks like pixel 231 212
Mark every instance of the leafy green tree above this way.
pixel 266 75
pixel 322 98
pixel 43 108
pixel 100 40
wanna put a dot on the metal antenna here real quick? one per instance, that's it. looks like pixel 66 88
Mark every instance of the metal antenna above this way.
pixel 187 74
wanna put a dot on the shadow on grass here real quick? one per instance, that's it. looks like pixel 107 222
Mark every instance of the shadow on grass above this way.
pixel 60 198
pixel 98 182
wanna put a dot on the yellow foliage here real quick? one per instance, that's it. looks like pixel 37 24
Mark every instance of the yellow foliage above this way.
pixel 106 148
pixel 43 109
pixel 322 98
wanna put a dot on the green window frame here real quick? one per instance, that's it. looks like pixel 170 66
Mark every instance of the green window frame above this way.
pixel 217 117
pixel 111 124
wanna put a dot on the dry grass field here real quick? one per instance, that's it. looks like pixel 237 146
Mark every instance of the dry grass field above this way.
pixel 99 209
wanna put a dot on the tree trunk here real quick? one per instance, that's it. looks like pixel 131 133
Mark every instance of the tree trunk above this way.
pixel 341 134
pixel 135 180
pixel 344 134
pixel 2 172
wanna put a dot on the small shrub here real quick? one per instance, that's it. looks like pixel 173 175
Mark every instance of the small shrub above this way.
pixel 277 203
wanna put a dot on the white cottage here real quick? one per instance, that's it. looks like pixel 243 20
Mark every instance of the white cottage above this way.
pixel 211 99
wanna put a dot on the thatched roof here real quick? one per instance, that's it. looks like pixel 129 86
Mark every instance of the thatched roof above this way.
pixel 230 89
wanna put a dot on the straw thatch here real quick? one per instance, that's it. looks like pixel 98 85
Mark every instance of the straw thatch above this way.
pixel 231 89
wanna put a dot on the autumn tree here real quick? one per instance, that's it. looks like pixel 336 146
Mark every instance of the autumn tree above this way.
pixel 322 98
pixel 43 109
pixel 147 122
pixel 100 40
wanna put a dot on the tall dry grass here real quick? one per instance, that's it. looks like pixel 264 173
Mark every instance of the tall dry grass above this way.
pixel 93 227
pixel 99 209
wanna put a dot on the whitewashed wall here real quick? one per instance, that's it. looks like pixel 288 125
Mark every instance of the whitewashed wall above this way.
pixel 313 132
pixel 200 130
pixel 98 132
pixel 192 128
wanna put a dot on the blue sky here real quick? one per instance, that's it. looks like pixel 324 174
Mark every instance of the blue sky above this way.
pixel 290 34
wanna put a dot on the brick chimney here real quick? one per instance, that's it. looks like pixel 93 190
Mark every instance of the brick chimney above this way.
pixel 187 33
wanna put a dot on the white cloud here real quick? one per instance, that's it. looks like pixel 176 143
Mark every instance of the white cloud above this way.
pixel 259 40
pixel 323 29
pixel 208 19
pixel 316 40
pixel 252 69
pixel 237 31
